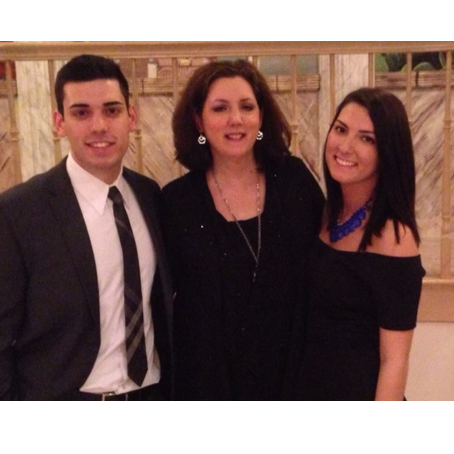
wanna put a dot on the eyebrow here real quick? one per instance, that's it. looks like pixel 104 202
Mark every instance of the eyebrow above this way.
pixel 106 104
pixel 225 100
pixel 364 131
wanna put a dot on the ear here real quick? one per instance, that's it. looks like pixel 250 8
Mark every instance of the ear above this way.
pixel 132 113
pixel 198 123
pixel 59 123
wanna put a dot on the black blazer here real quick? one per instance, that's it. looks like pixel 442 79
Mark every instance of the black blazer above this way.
pixel 49 303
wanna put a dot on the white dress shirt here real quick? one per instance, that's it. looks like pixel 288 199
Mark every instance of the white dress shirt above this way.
pixel 109 373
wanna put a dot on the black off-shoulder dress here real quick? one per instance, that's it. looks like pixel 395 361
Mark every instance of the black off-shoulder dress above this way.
pixel 352 295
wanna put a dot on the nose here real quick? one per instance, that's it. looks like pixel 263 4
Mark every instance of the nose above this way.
pixel 236 116
pixel 345 144
pixel 98 123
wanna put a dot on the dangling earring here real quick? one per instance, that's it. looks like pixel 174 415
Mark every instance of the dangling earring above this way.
pixel 202 139
pixel 260 135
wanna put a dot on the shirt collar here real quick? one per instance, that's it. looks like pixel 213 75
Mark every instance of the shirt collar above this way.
pixel 92 189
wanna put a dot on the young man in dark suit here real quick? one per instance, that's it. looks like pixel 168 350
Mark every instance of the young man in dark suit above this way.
pixel 85 295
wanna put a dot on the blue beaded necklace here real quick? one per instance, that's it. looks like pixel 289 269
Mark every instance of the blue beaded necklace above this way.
pixel 338 231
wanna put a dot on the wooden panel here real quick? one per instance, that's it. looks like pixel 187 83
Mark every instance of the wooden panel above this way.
pixel 280 84
pixel 394 80
pixel 4 89
pixel 13 131
pixel 146 49
pixel 445 250
pixel 421 79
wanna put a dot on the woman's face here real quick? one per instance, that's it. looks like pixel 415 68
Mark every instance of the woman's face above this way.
pixel 230 118
pixel 351 150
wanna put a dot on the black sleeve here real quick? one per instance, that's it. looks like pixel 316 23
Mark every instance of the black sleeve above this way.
pixel 171 224
pixel 396 289
pixel 301 195
pixel 12 303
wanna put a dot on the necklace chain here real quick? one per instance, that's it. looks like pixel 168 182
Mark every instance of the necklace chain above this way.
pixel 255 255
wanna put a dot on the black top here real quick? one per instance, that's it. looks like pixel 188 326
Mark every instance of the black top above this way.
pixel 232 335
pixel 237 312
pixel 352 295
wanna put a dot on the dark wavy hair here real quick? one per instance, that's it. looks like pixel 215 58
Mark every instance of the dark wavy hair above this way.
pixel 275 128
pixel 86 68
pixel 394 194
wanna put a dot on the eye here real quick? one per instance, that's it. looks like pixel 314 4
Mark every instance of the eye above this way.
pixel 368 139
pixel 248 107
pixel 113 111
pixel 80 113
pixel 339 128
pixel 219 108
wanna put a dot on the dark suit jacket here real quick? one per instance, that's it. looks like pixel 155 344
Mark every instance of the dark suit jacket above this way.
pixel 49 304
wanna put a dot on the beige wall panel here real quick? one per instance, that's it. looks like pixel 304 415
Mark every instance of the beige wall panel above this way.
pixel 6 170
pixel 157 143
pixel 34 118
pixel 431 375
pixel 427 128
pixel 307 114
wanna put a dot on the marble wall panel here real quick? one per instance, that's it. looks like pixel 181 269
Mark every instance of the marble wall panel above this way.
pixel 6 170
pixel 36 141
pixel 34 118
pixel 427 122
pixel 308 118
pixel 157 142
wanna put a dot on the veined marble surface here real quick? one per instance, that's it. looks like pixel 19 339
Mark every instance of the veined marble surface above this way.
pixel 307 114
pixel 6 171
pixel 155 117
pixel 34 118
pixel 427 123
pixel 427 119
pixel 157 145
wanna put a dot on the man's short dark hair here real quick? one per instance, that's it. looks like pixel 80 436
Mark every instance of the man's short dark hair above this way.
pixel 86 68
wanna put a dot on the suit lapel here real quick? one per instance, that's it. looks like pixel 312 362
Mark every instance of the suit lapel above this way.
pixel 64 203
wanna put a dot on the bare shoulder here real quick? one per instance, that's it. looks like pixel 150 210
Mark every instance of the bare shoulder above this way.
pixel 387 243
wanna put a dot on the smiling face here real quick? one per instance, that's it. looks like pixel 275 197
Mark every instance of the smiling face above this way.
pixel 351 152
pixel 230 119
pixel 97 123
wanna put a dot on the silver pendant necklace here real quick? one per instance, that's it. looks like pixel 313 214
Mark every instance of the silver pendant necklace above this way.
pixel 255 255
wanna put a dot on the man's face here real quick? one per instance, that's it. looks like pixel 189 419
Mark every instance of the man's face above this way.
pixel 97 124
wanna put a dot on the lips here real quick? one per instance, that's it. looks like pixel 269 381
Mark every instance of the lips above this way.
pixel 235 136
pixel 100 144
pixel 344 162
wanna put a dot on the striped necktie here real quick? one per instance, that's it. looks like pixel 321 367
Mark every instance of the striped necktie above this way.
pixel 135 338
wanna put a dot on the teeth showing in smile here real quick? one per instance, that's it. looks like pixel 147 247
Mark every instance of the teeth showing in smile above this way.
pixel 99 144
pixel 234 136
pixel 344 163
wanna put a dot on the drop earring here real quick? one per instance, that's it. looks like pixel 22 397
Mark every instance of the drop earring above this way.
pixel 202 139
pixel 260 135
